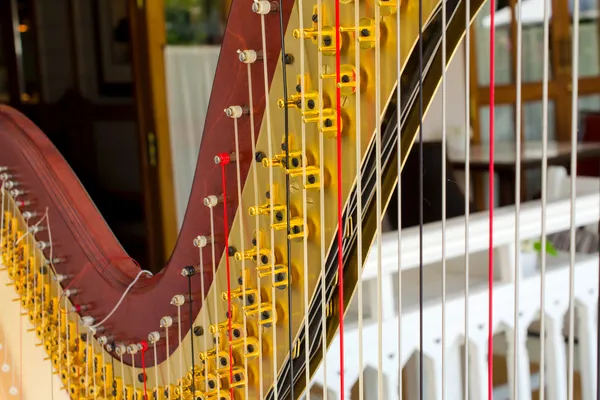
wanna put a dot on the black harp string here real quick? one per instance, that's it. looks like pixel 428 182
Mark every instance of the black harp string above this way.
pixel 192 332
pixel 286 130
pixel 420 199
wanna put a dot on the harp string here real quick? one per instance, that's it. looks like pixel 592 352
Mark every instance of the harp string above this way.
pixel 421 111
pixel 378 189
pixel 214 273
pixel 340 255
pixel 466 369
pixel 305 296
pixel 271 196
pixel 168 350
pixel 491 208
pixel 286 132
pixel 320 16
pixel 204 317
pixel 242 246
pixel 156 381
pixel 133 380
pixel 256 217
pixel 122 374
pixel 399 196
pixel 181 352
pixel 444 193
pixel 192 334
pixel 573 170
pixel 359 205
pixel 228 274
pixel 517 386
pixel 45 293
pixel 545 78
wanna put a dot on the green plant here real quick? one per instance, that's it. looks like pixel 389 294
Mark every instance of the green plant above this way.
pixel 550 249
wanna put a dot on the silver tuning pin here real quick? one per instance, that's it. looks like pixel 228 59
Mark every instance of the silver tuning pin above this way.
pixel 249 56
pixel 264 7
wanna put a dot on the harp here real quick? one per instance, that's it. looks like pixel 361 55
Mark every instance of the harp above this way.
pixel 315 108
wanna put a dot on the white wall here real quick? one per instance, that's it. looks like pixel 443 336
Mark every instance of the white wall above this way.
pixel 455 103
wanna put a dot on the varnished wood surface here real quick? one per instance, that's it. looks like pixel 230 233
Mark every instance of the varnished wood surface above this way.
pixel 85 240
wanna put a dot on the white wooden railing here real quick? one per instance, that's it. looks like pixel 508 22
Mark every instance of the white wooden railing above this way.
pixel 556 306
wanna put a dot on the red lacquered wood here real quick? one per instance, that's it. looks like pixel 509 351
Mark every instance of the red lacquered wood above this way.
pixel 81 236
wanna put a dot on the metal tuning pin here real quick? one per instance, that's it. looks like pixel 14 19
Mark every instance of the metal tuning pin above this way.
pixel 212 200
pixel 120 349
pixel 264 7
pixel 42 245
pixel 328 125
pixel 295 227
pixel 237 111
pixel 166 322
pixel 190 270
pixel 279 272
pixel 36 229
pixel 327 45
pixel 178 300
pixel 278 209
pixel 29 214
pixel 202 241
pixel 312 176
pixel 249 56
pixel 254 255
pixel 154 337
pixel 279 160
pixel 248 295
pixel 224 158
pixel 264 313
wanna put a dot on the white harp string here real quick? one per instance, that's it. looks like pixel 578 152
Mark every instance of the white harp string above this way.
pixel 444 193
pixel 359 205
pixel 168 353
pixel 574 136
pixel 214 277
pixel 256 217
pixel 306 293
pixel 544 198
pixel 242 245
pixel 204 316
pixel 103 370
pixel 517 272
pixel 87 363
pixel 322 199
pixel 466 380
pixel 156 381
pixel 399 192
pixel 133 380
pixel 123 375
pixel 271 201
pixel 378 201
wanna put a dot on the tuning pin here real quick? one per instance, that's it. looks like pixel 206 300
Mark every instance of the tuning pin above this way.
pixel 264 7
pixel 178 300
pixel 103 340
pixel 249 56
pixel 42 245
pixel 224 158
pixel 166 322
pixel 212 200
pixel 29 214
pixel 120 349
pixel 61 277
pixel 36 228
pixel 154 337
pixel 202 241
pixel 237 111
